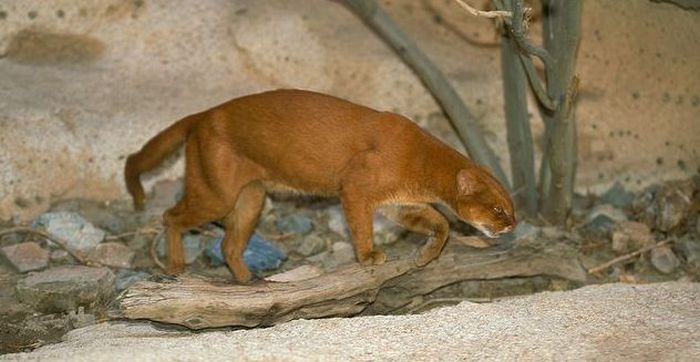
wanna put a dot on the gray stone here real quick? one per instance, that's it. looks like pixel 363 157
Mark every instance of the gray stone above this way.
pixel 126 277
pixel 192 244
pixel 386 232
pixel 664 260
pixel 60 256
pixel 336 222
pixel 618 196
pixel 113 254
pixel 312 244
pixel 295 223
pixel 65 288
pixel 26 256
pixel 690 247
pixel 77 232
pixel 607 212
pixel 630 235
pixel 523 231
pixel 673 210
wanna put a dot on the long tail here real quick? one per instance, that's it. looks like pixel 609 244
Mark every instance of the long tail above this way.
pixel 152 154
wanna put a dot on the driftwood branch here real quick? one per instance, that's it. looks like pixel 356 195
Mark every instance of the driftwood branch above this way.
pixel 459 115
pixel 200 303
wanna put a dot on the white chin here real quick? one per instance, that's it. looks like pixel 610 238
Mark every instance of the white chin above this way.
pixel 484 230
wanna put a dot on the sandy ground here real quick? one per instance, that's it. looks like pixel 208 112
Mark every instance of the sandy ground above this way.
pixel 610 322
pixel 84 83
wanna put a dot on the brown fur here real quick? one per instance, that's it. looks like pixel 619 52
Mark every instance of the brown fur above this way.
pixel 318 144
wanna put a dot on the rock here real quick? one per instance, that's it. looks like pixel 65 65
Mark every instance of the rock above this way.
pixel 664 260
pixel 295 223
pixel 336 222
pixel 602 218
pixel 26 256
pixel 673 209
pixel 126 277
pixel 259 255
pixel 65 288
pixel 113 254
pixel 690 247
pixel 630 235
pixel 191 243
pixel 386 232
pixel 301 273
pixel 553 232
pixel 618 196
pixel 312 244
pixel 77 232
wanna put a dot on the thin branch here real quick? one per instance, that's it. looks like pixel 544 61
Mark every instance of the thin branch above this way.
pixel 516 28
pixel 493 14
pixel 60 242
pixel 628 256
pixel 536 83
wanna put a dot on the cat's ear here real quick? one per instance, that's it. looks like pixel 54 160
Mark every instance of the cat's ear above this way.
pixel 467 184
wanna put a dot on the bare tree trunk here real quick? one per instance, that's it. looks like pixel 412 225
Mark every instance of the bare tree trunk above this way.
pixel 562 26
pixel 461 118
pixel 522 159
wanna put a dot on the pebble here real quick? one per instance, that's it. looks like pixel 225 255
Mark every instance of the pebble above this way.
pixel 26 256
pixel 65 288
pixel 603 217
pixel 664 260
pixel 113 254
pixel 78 233
pixel 298 224
pixel 631 235
pixel 259 255
pixel 690 247
pixel 312 245
pixel 618 196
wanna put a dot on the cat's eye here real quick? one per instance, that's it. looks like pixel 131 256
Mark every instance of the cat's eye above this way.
pixel 498 210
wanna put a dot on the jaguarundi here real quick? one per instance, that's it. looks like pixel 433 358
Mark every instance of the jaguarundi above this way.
pixel 312 143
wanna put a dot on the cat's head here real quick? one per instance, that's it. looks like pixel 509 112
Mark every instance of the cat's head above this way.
pixel 483 202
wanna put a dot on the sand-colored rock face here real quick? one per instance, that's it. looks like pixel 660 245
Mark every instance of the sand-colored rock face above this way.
pixel 84 83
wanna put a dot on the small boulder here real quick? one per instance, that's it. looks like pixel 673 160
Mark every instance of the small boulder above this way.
pixel 336 222
pixel 78 233
pixel 191 243
pixel 603 217
pixel 630 235
pixel 65 288
pixel 664 260
pixel 690 247
pixel 259 255
pixel 26 256
pixel 113 254
pixel 312 245
pixel 295 223
pixel 618 196
pixel 386 232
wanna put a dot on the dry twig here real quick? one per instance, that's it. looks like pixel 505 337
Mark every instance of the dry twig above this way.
pixel 493 14
pixel 628 256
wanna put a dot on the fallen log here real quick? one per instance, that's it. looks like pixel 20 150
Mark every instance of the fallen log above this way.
pixel 197 303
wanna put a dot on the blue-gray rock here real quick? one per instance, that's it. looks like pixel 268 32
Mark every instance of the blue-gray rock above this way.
pixel 618 196
pixel 65 288
pixel 127 277
pixel 113 254
pixel 311 245
pixel 295 223
pixel 690 247
pixel 664 260
pixel 603 217
pixel 78 233
pixel 259 255
pixel 336 222
pixel 191 243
